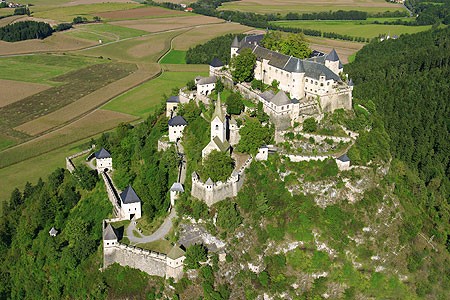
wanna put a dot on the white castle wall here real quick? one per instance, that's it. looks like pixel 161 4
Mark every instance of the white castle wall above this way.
pixel 219 191
pixel 150 262
pixel 69 164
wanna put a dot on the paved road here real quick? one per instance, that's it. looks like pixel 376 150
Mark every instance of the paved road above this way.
pixel 159 234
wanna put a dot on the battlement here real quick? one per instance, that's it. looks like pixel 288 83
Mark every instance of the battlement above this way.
pixel 213 192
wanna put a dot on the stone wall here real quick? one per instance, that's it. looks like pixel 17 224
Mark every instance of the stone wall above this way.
pixel 219 191
pixel 152 263
pixel 112 194
pixel 69 164
pixel 298 158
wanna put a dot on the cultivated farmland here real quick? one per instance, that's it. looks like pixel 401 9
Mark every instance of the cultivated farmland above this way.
pixel 96 122
pixel 286 6
pixel 105 32
pixel 140 13
pixel 12 91
pixel 354 28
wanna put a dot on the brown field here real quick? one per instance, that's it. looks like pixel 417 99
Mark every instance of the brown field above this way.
pixel 80 2
pixel 9 20
pixel 12 91
pixel 176 1
pixel 204 33
pixel 164 24
pixel 139 13
pixel 58 42
pixel 48 21
pixel 96 122
pixel 89 102
pixel 343 48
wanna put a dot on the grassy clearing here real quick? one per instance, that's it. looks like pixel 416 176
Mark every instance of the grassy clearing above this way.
pixel 42 68
pixel 67 13
pixel 13 91
pixel 147 12
pixel 90 125
pixel 174 57
pixel 6 141
pixel 6 11
pixel 34 168
pixel 104 32
pixel 285 6
pixel 354 28
pixel 161 246
pixel 144 99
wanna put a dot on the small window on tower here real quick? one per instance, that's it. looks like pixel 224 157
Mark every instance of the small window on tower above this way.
pixel 217 127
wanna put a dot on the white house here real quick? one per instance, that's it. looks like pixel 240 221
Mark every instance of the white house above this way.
pixel 176 128
pixel 175 190
pixel 174 261
pixel 215 65
pixel 53 232
pixel 218 139
pixel 130 204
pixel 109 237
pixel 205 85
pixel 103 160
pixel 263 153
pixel 343 162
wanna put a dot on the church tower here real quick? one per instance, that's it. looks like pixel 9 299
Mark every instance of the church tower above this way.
pixel 234 47
pixel 332 62
pixel 218 123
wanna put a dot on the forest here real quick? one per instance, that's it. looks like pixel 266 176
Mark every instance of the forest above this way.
pixel 24 31
pixel 407 80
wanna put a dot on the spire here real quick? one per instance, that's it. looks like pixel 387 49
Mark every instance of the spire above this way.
pixel 235 43
pixel 332 56
pixel 218 110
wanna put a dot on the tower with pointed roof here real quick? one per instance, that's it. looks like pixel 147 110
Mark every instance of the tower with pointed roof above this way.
pixel 218 140
pixel 234 47
pixel 218 122
pixel 130 204
pixel 103 160
pixel 333 62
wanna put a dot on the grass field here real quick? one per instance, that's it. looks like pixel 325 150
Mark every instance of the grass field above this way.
pixel 354 28
pixel 42 68
pixel 67 13
pixel 174 57
pixel 144 99
pixel 286 6
pixel 105 32
pixel 90 125
pixel 140 13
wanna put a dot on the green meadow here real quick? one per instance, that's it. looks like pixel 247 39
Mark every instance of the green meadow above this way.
pixel 174 57
pixel 43 67
pixel 145 98
pixel 353 28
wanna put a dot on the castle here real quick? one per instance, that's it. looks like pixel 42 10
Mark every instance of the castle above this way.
pixel 307 86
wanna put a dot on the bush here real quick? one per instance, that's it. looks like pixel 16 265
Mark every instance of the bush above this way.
pixel 63 26
pixel 309 125
pixel 194 255
pixel 234 104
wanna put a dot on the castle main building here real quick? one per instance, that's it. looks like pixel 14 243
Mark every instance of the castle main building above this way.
pixel 316 79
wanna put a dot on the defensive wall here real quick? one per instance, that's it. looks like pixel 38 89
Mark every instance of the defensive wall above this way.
pixel 112 194
pixel 69 164
pixel 150 262
pixel 218 191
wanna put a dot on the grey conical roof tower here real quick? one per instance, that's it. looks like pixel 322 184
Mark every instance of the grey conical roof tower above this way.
pixel 235 43
pixel 332 56
pixel 218 112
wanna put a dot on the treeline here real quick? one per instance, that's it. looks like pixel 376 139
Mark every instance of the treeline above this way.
pixel 25 31
pixel 328 15
pixel 430 12
pixel 218 47
pixel 208 8
pixel 411 93
pixel 66 266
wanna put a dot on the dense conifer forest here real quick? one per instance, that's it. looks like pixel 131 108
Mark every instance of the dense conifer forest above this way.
pixel 408 80
pixel 24 31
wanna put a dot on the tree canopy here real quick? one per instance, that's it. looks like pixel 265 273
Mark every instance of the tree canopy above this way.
pixel 25 30
pixel 234 104
pixel 243 66
pixel 253 136
pixel 217 165
pixel 293 44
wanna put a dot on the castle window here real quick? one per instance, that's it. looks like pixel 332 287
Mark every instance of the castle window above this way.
pixel 315 82
pixel 328 83
pixel 107 244
pixel 306 80
pixel 288 107
pixel 321 84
